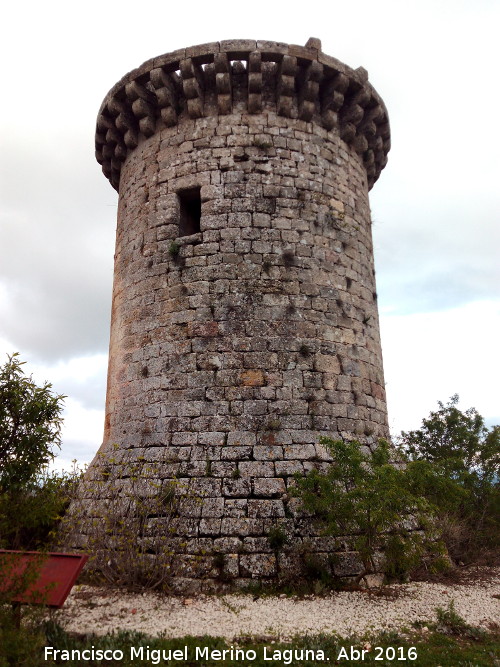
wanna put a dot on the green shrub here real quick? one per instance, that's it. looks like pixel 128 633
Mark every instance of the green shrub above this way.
pixel 20 647
pixel 365 495
pixel 174 249
pixel 31 499
pixel 455 438
pixel 29 515
pixel 458 459
pixel 30 425
pixel 277 537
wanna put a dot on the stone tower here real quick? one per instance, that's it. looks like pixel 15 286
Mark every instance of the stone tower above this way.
pixel 244 318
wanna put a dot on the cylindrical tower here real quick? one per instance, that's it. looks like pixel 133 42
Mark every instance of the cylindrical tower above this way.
pixel 244 318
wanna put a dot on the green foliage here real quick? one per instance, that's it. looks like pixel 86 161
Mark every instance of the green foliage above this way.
pixel 174 249
pixel 277 537
pixel 30 425
pixel 457 440
pixel 451 623
pixel 20 647
pixel 458 459
pixel 29 516
pixel 444 491
pixel 273 425
pixel 363 494
pixel 31 498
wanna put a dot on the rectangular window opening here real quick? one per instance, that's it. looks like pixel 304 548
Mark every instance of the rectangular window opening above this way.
pixel 190 211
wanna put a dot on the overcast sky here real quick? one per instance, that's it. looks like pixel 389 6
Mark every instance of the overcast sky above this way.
pixel 435 207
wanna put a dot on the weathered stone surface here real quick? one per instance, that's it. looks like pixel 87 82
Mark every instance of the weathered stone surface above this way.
pixel 268 487
pixel 239 339
pixel 347 564
pixel 258 566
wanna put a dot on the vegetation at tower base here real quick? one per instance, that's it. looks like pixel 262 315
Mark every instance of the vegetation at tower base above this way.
pixel 459 458
pixel 443 493
pixel 129 540
pixel 364 494
pixel 442 499
pixel 31 498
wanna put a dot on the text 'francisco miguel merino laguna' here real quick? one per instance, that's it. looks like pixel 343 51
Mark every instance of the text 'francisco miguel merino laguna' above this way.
pixel 159 656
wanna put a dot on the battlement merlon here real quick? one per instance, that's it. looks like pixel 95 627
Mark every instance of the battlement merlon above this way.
pixel 219 77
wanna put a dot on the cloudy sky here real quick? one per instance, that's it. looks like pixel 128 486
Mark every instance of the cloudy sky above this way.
pixel 435 208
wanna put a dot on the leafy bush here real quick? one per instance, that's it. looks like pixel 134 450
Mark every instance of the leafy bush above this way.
pixel 30 515
pixel 445 490
pixel 30 425
pixel 31 498
pixel 124 516
pixel 459 462
pixel 20 646
pixel 174 249
pixel 365 495
pixel 458 440
pixel 277 537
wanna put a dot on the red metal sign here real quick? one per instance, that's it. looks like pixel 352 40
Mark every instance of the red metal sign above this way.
pixel 34 577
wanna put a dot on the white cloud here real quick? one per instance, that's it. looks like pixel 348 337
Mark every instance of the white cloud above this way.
pixel 82 434
pixel 428 357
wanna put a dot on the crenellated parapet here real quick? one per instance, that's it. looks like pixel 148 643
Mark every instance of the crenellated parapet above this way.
pixel 298 82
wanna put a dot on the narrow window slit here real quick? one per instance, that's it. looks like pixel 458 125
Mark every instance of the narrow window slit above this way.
pixel 190 211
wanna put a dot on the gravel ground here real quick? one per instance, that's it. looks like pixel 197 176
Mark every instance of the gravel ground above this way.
pixel 101 610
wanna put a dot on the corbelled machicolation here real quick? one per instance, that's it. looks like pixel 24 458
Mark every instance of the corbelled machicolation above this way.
pixel 244 318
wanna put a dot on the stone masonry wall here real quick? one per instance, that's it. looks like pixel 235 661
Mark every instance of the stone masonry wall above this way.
pixel 235 348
